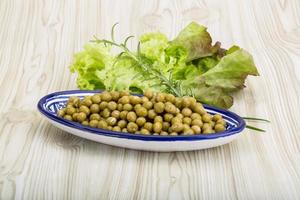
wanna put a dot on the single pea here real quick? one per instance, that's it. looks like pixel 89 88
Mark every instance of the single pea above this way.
pixel 124 130
pixel 124 93
pixel 206 118
pixel 151 114
pixel 112 105
pixel 170 108
pixel 122 123
pixel 103 105
pixel 148 105
pixel 179 115
pixel 188 132
pixel 140 121
pixel 94 108
pixel 115 95
pixel 158 119
pixel 219 128
pixel 81 117
pixel 193 101
pixel 68 117
pixel 170 97
pixel 74 116
pixel 115 114
pixel 120 107
pixel 178 102
pixel 144 99
pixel 76 102
pixel 155 134
pixel 177 127
pixel 223 122
pixel 72 99
pixel 137 106
pixel 186 112
pixel 111 121
pixel 208 131
pixel 168 117
pixel 206 126
pixel 96 98
pixel 109 128
pixel 124 100
pixel 157 126
pixel 198 108
pixel 93 123
pixel 85 123
pixel 176 120
pixel 95 116
pixel 135 100
pixel 116 128
pixel 105 113
pixel 145 131
pixel 197 122
pixel 186 102
pixel 142 112
pixel 70 110
pixel 187 120
pixel 186 127
pixel 195 116
pixel 102 124
pixel 212 123
pixel 160 97
pixel 123 114
pixel 61 113
pixel 174 133
pixel 132 127
pixel 196 129
pixel 148 126
pixel 127 107
pixel 159 107
pixel 164 133
pixel 131 116
pixel 148 93
pixel 216 117
pixel 86 102
pixel 106 96
pixel 165 126
pixel 84 109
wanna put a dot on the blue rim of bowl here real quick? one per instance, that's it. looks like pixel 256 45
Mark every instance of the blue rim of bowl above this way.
pixel 76 125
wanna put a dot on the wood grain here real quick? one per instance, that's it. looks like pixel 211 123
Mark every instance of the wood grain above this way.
pixel 38 161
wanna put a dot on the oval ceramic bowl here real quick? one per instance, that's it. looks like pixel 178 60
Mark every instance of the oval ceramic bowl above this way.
pixel 49 105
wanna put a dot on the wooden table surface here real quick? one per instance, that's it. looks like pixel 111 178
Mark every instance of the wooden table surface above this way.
pixel 38 161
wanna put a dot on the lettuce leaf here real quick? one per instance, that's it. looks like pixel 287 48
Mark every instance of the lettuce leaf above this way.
pixel 197 41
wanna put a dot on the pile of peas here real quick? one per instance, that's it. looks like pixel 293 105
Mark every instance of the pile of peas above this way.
pixel 152 114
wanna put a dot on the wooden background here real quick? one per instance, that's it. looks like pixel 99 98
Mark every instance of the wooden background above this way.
pixel 38 161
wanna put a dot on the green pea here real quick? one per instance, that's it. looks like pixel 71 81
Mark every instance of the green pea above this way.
pixel 102 124
pixel 70 110
pixel 206 118
pixel 96 98
pixel 170 108
pixel 197 122
pixel 145 131
pixel 219 127
pixel 86 102
pixel 159 107
pixel 115 95
pixel 157 126
pixel 148 126
pixel 103 105
pixel 195 116
pixel 124 100
pixel 105 113
pixel 124 130
pixel 127 107
pixel 132 127
pixel 123 114
pixel 116 128
pixel 170 98
pixel 158 119
pixel 93 123
pixel 148 105
pixel 105 96
pixel 94 108
pixel 140 121
pixel 198 108
pixel 168 117
pixel 144 99
pixel 187 120
pixel 85 123
pixel 151 114
pixel 124 93
pixel 142 112
pixel 177 127
pixel 148 94
pixel 131 116
pixel 196 129
pixel 115 114
pixel 84 109
pixel 135 100
pixel 111 121
pixel 61 113
pixel 165 126
pixel 176 120
pixel 120 107
pixel 112 105
pixel 81 117
pixel 160 97
pixel 122 123
pixel 186 112
pixel 68 117
pixel 164 133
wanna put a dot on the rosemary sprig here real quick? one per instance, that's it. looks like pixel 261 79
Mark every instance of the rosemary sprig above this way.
pixel 141 62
